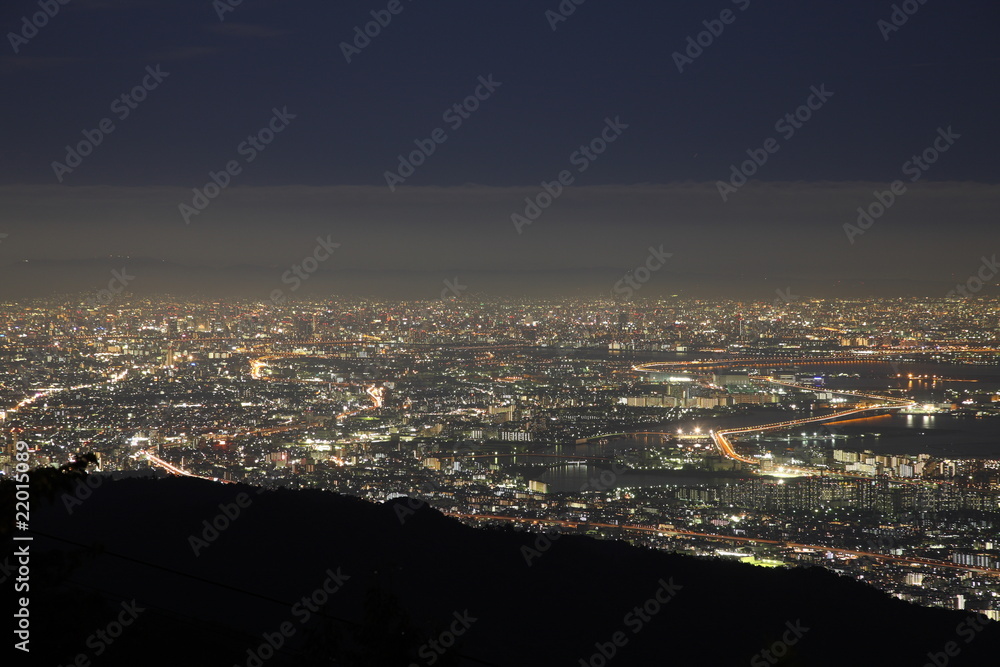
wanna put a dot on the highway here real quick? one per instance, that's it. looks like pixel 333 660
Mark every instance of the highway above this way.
pixel 667 366
pixel 444 455
pixel 55 390
pixel 730 538
pixel 721 438
pixel 725 446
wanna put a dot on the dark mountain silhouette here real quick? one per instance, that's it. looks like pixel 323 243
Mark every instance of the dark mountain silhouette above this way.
pixel 392 585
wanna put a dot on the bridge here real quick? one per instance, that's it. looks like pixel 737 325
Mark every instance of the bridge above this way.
pixel 453 455
pixel 721 438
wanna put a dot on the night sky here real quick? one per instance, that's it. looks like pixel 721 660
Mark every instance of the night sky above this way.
pixel 888 93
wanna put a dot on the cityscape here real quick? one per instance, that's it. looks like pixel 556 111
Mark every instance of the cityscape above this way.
pixel 860 436
pixel 387 333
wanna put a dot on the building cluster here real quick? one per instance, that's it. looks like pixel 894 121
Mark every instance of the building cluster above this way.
pixel 543 412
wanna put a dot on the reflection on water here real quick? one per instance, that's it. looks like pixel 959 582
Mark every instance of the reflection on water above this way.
pixel 941 435
pixel 888 376
pixel 938 435
pixel 574 478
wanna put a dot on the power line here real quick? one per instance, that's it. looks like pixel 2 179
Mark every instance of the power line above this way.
pixel 229 587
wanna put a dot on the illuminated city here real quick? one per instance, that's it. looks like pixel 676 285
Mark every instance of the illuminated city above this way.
pixel 388 333
pixel 773 434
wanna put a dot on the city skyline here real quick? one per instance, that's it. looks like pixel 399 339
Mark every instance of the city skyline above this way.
pixel 516 333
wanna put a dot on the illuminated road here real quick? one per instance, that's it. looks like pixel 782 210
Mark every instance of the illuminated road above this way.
pixel 721 438
pixel 179 471
pixel 860 357
pixel 376 394
pixel 725 446
pixel 258 364
pixel 730 538
pixel 55 390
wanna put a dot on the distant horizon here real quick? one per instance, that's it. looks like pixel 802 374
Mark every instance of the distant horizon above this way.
pixel 404 245
pixel 528 150
pixel 407 248
pixel 87 299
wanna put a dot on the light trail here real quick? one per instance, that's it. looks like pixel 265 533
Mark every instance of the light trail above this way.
pixel 169 467
pixel 55 390
pixel 722 441
pixel 721 438
pixel 376 394
pixel 443 455
pixel 714 536
pixel 860 357
pixel 725 446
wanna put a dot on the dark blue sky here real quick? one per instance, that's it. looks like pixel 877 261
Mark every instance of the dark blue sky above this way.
pixel 606 60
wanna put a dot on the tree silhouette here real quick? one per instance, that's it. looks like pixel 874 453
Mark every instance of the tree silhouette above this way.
pixel 47 482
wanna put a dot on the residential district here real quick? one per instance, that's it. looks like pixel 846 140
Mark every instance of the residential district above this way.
pixel 862 436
